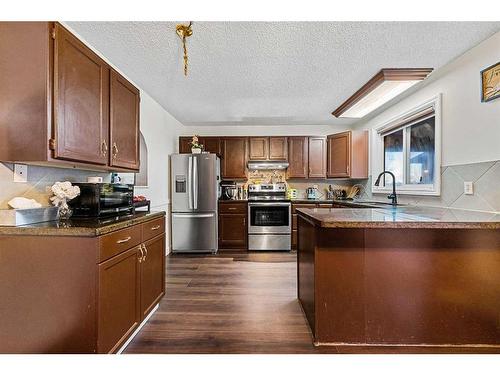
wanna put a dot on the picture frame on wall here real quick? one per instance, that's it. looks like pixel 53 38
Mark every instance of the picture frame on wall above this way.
pixel 490 83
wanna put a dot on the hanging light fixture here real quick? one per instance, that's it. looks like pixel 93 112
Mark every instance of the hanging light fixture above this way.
pixel 184 31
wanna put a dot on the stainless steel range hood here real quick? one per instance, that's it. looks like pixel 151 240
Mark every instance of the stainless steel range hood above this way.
pixel 267 164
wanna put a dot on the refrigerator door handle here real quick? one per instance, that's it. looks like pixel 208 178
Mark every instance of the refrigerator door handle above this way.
pixel 190 182
pixel 193 215
pixel 195 182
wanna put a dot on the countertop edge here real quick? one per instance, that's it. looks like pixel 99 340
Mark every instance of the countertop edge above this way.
pixel 424 224
pixel 78 231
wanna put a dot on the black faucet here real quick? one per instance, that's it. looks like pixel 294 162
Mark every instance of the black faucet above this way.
pixel 392 196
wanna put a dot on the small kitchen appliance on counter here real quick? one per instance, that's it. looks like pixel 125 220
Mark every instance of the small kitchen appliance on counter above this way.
pixel 102 199
pixel 229 190
pixel 269 217
pixel 312 193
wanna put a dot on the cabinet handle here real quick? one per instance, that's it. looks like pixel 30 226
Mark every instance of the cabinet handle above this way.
pixel 104 148
pixel 115 150
pixel 124 240
pixel 156 227
pixel 142 254
pixel 146 251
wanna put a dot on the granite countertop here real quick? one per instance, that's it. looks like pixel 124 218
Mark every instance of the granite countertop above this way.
pixel 401 217
pixel 232 200
pixel 80 227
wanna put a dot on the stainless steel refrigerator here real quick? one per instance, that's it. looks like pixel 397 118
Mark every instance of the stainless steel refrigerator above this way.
pixel 194 194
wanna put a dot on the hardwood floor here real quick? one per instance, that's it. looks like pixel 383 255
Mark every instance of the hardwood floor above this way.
pixel 237 303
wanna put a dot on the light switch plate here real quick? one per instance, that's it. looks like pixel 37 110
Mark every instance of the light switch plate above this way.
pixel 20 173
pixel 468 187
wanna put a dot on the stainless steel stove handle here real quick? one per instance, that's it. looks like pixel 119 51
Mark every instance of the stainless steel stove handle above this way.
pixel 190 182
pixel 269 204
pixel 195 182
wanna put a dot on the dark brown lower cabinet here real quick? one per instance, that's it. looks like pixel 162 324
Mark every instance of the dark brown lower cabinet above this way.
pixel 233 226
pixel 152 274
pixel 85 294
pixel 118 299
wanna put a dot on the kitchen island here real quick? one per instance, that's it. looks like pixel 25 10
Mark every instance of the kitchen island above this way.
pixel 400 276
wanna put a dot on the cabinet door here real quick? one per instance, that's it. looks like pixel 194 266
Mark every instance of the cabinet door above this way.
pixel 81 102
pixel 185 145
pixel 339 155
pixel 152 274
pixel 124 120
pixel 278 148
pixel 234 157
pixel 233 231
pixel 259 148
pixel 118 301
pixel 317 157
pixel 212 144
pixel 297 157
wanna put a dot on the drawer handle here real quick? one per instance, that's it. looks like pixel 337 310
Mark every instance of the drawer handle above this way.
pixel 156 227
pixel 124 240
pixel 231 208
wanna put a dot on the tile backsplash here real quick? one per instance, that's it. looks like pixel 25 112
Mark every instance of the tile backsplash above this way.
pixel 301 185
pixel 39 180
pixel 485 177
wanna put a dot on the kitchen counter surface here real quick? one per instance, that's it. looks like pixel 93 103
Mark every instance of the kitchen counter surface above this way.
pixel 401 217
pixel 81 227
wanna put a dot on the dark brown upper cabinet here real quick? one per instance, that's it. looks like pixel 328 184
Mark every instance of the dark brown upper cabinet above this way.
pixel 211 144
pixel 348 155
pixel 234 157
pixel 124 120
pixel 268 148
pixel 185 145
pixel 56 102
pixel 258 148
pixel 317 157
pixel 278 148
pixel 81 101
pixel 298 156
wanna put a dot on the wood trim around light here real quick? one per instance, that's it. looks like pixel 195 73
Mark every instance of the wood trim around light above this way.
pixel 396 74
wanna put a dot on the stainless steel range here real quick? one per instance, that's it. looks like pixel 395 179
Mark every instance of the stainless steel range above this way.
pixel 269 217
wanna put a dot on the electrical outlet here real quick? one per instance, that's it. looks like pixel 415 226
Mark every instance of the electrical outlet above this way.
pixel 20 173
pixel 468 187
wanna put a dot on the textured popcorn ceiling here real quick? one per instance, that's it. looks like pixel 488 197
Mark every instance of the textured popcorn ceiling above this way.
pixel 272 73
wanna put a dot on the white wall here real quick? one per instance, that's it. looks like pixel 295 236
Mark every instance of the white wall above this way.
pixel 161 132
pixel 470 129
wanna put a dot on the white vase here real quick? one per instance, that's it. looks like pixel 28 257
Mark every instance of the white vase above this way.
pixel 196 150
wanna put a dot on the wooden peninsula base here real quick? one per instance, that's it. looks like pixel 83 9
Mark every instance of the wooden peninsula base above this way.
pixel 399 286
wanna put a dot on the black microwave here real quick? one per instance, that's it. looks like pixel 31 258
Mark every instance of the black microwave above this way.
pixel 103 199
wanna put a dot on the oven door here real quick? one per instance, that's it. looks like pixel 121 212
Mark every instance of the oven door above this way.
pixel 269 217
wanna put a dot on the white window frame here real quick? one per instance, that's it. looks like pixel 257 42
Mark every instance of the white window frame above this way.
pixel 401 121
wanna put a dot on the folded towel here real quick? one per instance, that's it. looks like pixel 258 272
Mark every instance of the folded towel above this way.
pixel 23 203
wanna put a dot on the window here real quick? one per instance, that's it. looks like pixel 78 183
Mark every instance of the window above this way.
pixel 409 147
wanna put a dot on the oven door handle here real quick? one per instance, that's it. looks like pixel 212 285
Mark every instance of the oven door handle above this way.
pixel 262 204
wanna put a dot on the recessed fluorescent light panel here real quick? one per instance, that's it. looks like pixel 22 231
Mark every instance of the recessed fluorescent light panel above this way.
pixel 384 86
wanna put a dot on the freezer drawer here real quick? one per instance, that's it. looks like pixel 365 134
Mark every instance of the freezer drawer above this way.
pixel 194 232
pixel 270 242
